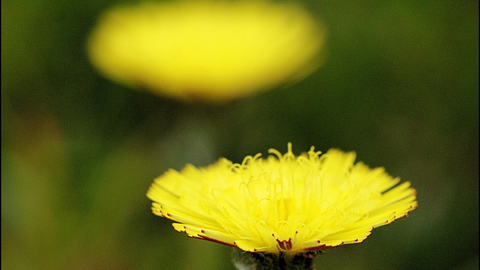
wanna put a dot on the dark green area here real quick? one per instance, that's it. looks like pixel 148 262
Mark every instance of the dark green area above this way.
pixel 399 87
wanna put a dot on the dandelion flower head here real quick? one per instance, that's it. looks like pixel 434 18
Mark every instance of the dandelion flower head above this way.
pixel 206 50
pixel 282 204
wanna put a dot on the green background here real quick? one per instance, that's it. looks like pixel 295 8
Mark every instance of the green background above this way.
pixel 399 87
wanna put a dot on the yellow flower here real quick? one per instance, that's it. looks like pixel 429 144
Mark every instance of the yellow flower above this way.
pixel 208 50
pixel 282 204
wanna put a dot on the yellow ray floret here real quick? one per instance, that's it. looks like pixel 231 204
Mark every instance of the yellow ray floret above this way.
pixel 208 50
pixel 284 203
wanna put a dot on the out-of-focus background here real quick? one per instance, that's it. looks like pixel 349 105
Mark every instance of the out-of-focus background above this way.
pixel 399 87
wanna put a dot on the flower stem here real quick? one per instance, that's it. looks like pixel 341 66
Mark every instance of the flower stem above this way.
pixel 271 261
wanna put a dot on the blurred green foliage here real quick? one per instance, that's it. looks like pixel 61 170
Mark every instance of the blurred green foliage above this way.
pixel 399 87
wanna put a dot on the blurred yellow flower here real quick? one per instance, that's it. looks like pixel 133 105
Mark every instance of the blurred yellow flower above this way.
pixel 206 50
pixel 283 204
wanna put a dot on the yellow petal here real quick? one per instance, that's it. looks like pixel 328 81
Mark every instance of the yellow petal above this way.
pixel 283 203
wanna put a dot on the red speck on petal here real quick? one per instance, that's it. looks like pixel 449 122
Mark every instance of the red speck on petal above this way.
pixel 322 247
pixel 356 240
pixel 202 231
pixel 255 249
pixel 179 230
pixel 214 240
pixel 318 241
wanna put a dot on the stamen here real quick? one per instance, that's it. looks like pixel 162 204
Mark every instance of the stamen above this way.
pixel 285 245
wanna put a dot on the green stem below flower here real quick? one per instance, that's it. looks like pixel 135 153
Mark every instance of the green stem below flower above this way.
pixel 259 261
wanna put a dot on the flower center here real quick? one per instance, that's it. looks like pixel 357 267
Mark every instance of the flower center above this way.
pixel 284 244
